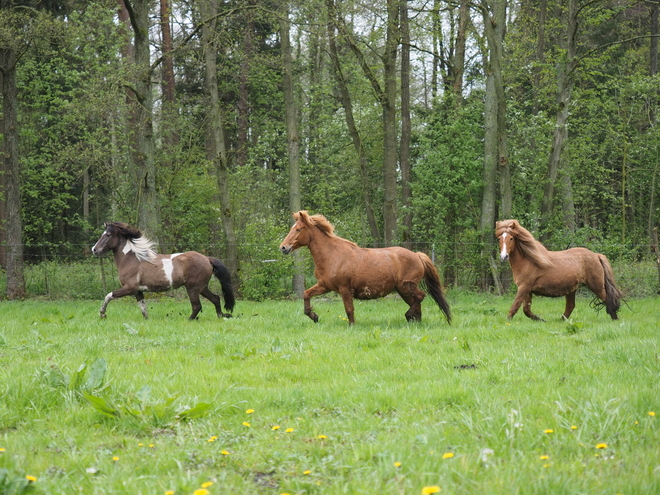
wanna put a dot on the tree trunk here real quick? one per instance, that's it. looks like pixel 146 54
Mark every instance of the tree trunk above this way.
pixel 458 64
pixel 243 107
pixel 14 225
pixel 293 140
pixel 3 184
pixel 168 66
pixel 565 81
pixel 388 102
pixel 404 151
pixel 350 120
pixel 143 149
pixel 216 150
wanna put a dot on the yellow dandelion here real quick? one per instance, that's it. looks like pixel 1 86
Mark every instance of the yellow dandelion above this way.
pixel 573 427
pixel 169 492
pixel 212 439
pixel 601 446
pixel 548 431
pixel 2 449
pixel 276 427
pixel 544 457
pixel 224 452
pixel 245 423
pixel 428 490
pixel 397 464
pixel 289 430
pixel 447 455
pixel 151 445
pixel 206 484
pixel 546 465
pixel 201 491
pixel 307 471
pixel 140 445
pixel 115 458
pixel 322 437
pixel 31 478
pixel 249 411
pixel 651 413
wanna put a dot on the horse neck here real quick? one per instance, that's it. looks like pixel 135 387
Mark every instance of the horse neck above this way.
pixel 322 246
pixel 119 255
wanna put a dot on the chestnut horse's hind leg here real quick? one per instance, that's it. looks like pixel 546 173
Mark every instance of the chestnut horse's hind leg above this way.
pixel 570 305
pixel 347 298
pixel 215 299
pixel 315 290
pixel 413 297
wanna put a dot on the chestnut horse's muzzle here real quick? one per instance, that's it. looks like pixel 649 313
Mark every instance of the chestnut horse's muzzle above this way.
pixel 285 249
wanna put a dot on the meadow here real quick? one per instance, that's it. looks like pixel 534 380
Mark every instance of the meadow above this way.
pixel 268 402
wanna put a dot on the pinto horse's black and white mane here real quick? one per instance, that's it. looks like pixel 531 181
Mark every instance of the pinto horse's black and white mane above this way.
pixel 141 270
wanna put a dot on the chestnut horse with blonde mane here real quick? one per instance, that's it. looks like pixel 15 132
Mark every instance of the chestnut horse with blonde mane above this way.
pixel 362 273
pixel 141 270
pixel 554 273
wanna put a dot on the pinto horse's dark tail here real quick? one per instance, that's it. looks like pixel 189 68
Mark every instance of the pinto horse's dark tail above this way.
pixel 223 275
pixel 613 295
pixel 433 285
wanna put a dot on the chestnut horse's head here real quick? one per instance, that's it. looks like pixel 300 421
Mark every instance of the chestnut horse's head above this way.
pixel 299 235
pixel 505 231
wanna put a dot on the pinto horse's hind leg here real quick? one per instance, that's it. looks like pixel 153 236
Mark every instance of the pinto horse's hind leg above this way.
pixel 193 295
pixel 413 296
pixel 142 303
pixel 215 299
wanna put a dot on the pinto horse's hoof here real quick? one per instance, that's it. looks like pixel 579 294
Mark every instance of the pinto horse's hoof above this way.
pixel 102 315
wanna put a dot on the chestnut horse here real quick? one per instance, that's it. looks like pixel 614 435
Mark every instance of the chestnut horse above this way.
pixel 554 273
pixel 141 270
pixel 362 273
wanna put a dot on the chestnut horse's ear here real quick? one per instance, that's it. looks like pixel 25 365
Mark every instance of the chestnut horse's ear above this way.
pixel 302 216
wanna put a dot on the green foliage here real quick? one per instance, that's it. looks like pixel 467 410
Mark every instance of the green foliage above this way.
pixel 83 381
pixel 11 484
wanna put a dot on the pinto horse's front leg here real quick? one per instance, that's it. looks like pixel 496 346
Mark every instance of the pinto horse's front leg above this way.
pixel 124 291
pixel 313 291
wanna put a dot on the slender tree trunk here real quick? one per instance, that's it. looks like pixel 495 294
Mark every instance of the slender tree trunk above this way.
pixel 216 150
pixel 293 139
pixel 404 152
pixel 540 53
pixel 143 156
pixel 14 224
pixel 350 120
pixel 243 106
pixel 458 64
pixel 565 81
pixel 388 103
pixel 168 66
pixel 436 29
pixel 3 184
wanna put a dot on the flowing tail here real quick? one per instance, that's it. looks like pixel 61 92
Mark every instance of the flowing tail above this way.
pixel 613 295
pixel 223 275
pixel 433 285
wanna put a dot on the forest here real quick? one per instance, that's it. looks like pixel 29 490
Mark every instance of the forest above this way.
pixel 420 123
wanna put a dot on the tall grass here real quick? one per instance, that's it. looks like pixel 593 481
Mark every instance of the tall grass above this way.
pixel 485 405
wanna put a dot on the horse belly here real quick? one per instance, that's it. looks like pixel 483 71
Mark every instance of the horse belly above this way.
pixel 555 286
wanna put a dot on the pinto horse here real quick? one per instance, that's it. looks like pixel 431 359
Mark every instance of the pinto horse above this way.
pixel 141 270
pixel 362 273
pixel 554 273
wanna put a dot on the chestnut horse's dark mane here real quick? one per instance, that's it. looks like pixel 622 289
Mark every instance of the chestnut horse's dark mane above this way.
pixel 529 247
pixel 322 223
pixel 142 247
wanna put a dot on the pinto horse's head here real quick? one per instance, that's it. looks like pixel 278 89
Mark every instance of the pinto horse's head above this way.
pixel 299 233
pixel 112 235
pixel 505 231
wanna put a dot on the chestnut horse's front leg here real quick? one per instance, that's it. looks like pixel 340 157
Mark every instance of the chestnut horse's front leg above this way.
pixel 523 296
pixel 315 290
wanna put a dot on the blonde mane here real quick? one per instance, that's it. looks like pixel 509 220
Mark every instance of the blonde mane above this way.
pixel 322 223
pixel 142 248
pixel 529 247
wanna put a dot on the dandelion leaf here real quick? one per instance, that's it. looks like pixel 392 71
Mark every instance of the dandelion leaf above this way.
pixel 101 405
pixel 194 412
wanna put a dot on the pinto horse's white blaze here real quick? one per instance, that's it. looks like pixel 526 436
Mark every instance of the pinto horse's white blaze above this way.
pixel 504 255
pixel 97 242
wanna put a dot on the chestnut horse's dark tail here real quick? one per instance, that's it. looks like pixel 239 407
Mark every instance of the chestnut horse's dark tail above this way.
pixel 433 285
pixel 613 295
pixel 223 275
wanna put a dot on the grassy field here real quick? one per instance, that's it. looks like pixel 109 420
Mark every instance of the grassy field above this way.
pixel 269 402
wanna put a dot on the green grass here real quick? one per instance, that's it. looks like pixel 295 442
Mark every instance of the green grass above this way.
pixel 484 389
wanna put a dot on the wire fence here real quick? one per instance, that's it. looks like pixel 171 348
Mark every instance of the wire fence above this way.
pixel 265 273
